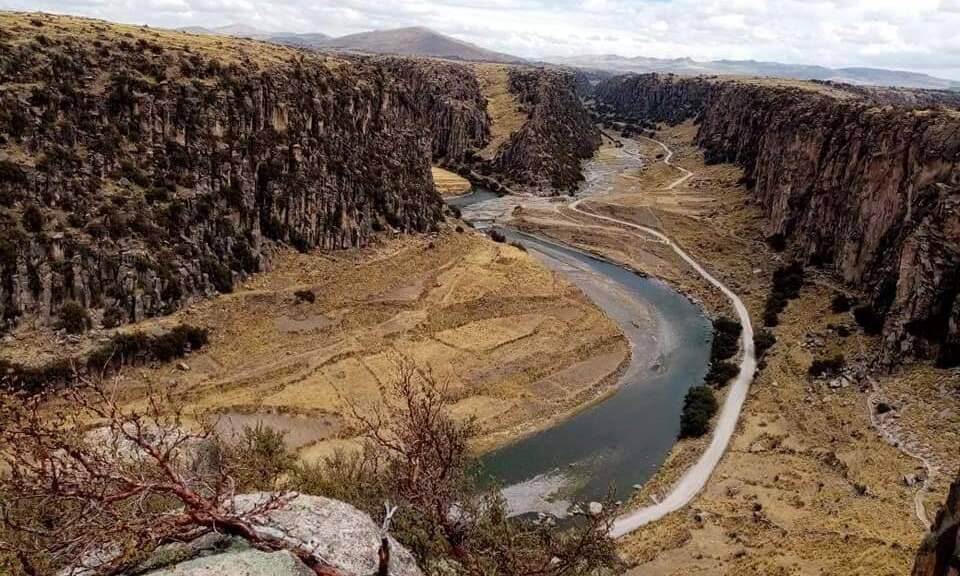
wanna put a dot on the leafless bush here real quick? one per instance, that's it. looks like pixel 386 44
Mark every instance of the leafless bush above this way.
pixel 91 487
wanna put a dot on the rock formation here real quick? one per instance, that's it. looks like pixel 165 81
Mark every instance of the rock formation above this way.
pixel 140 170
pixel 939 555
pixel 867 188
pixel 448 96
pixel 545 154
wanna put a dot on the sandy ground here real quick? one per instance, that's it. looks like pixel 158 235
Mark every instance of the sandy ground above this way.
pixel 449 183
pixel 492 324
pixel 809 486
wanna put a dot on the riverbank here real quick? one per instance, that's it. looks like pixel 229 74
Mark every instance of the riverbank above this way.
pixel 808 486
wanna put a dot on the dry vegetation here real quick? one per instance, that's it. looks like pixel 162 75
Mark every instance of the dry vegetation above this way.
pixel 449 183
pixel 506 115
pixel 500 330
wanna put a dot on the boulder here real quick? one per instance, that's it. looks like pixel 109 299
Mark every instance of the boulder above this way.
pixel 338 534
pixel 249 562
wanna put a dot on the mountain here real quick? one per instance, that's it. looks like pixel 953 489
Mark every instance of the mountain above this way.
pixel 690 67
pixel 417 41
pixel 238 30
pixel 310 39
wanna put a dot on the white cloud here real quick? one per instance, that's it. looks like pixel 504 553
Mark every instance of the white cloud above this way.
pixel 908 34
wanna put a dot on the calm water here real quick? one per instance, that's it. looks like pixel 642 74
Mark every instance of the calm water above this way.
pixel 622 440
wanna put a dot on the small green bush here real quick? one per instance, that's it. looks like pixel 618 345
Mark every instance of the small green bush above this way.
pixel 826 367
pixel 763 340
pixel 726 339
pixel 74 318
pixel 496 236
pixel 699 406
pixel 305 296
pixel 868 319
pixel 721 373
pixel 33 218
pixel 840 303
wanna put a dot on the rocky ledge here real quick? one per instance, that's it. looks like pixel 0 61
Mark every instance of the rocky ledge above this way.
pixel 850 182
pixel 939 555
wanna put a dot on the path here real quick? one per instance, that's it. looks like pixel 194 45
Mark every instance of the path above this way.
pixel 694 479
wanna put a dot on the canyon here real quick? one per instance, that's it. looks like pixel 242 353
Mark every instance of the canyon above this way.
pixel 290 205
pixel 851 182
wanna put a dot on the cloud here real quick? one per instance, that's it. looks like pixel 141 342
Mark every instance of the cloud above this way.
pixel 914 34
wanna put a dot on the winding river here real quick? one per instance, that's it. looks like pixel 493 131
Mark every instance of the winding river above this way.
pixel 619 442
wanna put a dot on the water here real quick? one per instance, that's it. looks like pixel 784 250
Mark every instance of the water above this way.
pixel 622 440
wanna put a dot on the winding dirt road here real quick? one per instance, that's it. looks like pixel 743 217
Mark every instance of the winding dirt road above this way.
pixel 694 479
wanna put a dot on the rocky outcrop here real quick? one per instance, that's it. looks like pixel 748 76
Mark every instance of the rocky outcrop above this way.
pixel 447 95
pixel 544 155
pixel 870 190
pixel 140 170
pixel 939 555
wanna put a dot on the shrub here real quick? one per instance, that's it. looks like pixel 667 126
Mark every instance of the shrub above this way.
pixel 720 373
pixel 786 285
pixel 33 218
pixel 868 319
pixel 840 303
pixel 305 296
pixel 259 458
pixel 726 339
pixel 113 317
pixel 763 340
pixel 699 406
pixel 496 236
pixel 11 173
pixel 777 242
pixel 74 318
pixel 825 367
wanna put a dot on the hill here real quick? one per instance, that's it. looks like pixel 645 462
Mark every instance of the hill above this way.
pixel 689 67
pixel 417 41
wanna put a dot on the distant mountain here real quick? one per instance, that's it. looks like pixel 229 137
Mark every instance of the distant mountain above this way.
pixel 412 41
pixel 689 67
pixel 238 30
pixel 309 40
pixel 416 41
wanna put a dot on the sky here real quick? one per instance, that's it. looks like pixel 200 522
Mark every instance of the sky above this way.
pixel 917 35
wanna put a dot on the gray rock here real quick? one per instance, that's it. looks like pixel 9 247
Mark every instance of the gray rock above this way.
pixel 337 533
pixel 595 508
pixel 250 562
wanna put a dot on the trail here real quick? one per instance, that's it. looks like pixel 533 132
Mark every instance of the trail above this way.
pixel 694 479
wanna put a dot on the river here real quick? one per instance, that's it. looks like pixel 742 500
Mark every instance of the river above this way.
pixel 621 441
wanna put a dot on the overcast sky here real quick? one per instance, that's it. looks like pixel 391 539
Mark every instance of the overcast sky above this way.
pixel 919 35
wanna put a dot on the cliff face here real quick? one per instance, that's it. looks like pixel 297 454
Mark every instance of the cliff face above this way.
pixel 872 190
pixel 545 154
pixel 939 555
pixel 141 169
pixel 448 97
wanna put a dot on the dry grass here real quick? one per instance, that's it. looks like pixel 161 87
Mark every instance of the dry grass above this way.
pixel 449 183
pixel 506 117
pixel 21 28
pixel 501 331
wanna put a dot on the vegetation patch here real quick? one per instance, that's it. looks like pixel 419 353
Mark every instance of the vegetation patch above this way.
pixel 123 350
pixel 787 282
pixel 699 406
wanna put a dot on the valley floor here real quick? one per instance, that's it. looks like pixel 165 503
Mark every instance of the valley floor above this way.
pixel 515 345
pixel 809 486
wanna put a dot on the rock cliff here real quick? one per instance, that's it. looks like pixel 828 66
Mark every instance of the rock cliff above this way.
pixel 140 169
pixel 868 188
pixel 939 555
pixel 447 95
pixel 545 154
